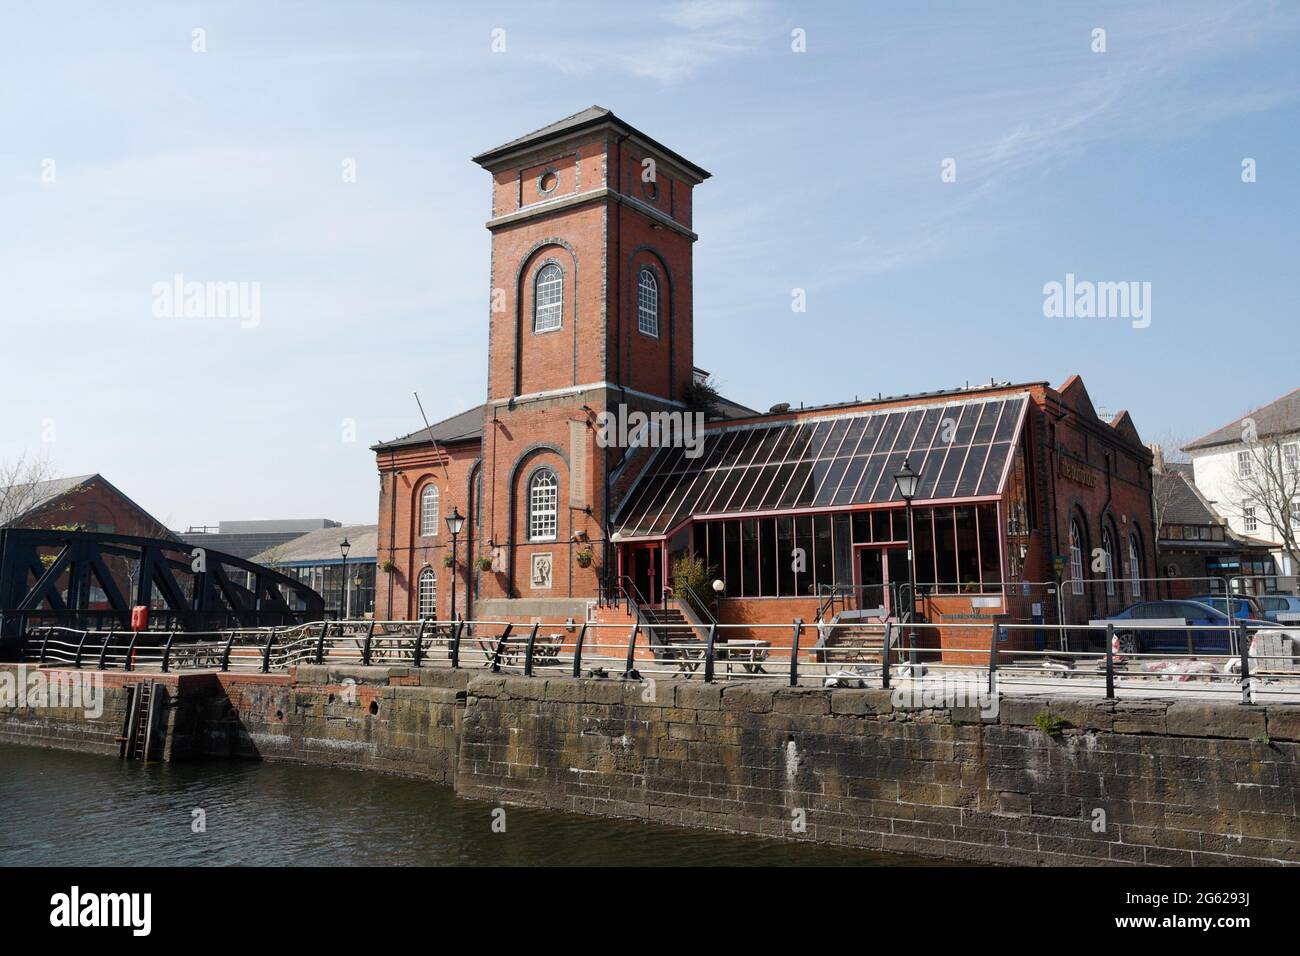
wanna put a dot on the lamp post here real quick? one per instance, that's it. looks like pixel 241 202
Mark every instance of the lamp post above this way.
pixel 344 547
pixel 907 481
pixel 455 521
pixel 718 588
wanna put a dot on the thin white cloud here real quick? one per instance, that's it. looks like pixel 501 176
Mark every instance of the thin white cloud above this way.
pixel 1144 86
pixel 687 39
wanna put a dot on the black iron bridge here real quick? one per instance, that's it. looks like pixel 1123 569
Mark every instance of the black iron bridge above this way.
pixel 86 579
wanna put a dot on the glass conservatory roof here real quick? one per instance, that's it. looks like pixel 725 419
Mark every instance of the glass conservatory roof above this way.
pixel 961 449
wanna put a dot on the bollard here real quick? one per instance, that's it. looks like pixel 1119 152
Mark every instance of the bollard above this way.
pixel 528 652
pixel 885 651
pixel 365 648
pixel 709 653
pixel 1243 647
pixel 225 655
pixel 167 650
pixel 577 651
pixel 419 644
pixel 794 653
pixel 1110 661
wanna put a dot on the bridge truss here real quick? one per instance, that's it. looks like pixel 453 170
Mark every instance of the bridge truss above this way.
pixel 85 578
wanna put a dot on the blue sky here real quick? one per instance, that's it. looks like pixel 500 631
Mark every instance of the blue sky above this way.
pixel 226 165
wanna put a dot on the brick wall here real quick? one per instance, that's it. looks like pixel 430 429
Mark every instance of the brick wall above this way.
pixel 96 506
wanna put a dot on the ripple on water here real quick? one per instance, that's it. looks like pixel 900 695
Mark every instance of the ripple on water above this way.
pixel 76 809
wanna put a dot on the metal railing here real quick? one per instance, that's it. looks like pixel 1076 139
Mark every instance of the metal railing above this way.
pixel 1249 663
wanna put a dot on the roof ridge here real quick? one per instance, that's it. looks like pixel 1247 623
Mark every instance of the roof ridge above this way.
pixel 593 108
pixel 1237 418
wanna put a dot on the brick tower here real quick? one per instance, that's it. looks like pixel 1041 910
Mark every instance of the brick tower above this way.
pixel 590 309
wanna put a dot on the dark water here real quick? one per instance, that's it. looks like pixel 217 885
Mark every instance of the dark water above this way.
pixel 67 809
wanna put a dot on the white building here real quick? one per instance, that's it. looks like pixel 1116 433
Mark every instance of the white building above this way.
pixel 1250 471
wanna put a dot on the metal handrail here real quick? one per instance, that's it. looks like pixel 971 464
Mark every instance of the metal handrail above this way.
pixel 745 650
pixel 697 603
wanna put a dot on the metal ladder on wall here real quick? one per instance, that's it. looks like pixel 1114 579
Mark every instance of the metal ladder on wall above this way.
pixel 141 718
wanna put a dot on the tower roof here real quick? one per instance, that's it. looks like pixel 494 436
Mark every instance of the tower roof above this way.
pixel 590 118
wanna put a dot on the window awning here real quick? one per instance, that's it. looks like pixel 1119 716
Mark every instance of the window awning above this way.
pixel 961 449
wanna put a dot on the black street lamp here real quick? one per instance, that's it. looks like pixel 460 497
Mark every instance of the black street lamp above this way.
pixel 344 547
pixel 455 521
pixel 908 481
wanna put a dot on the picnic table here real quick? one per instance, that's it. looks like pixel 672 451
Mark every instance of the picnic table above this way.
pixel 749 654
pixel 546 649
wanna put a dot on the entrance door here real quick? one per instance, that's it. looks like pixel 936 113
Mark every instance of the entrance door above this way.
pixel 878 577
pixel 871 578
pixel 645 573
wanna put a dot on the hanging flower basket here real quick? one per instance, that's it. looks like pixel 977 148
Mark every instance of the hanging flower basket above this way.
pixel 585 557
pixel 484 563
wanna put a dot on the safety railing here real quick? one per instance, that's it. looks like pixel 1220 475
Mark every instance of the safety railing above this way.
pixel 1128 659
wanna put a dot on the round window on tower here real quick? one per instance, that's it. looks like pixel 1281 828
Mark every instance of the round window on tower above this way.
pixel 548 181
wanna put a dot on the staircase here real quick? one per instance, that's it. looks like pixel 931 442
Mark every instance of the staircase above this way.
pixel 852 644
pixel 670 627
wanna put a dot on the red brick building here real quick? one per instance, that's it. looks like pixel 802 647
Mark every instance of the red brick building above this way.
pixel 591 313
pixel 83 503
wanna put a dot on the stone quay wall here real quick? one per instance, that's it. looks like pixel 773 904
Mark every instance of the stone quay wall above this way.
pixel 1046 781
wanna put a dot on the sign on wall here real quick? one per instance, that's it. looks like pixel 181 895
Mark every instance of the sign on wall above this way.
pixel 1080 474
pixel 540 580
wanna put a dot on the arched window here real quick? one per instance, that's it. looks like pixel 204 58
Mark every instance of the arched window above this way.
pixel 1108 552
pixel 543 505
pixel 429 511
pixel 1076 558
pixel 647 303
pixel 1134 567
pixel 548 298
pixel 428 595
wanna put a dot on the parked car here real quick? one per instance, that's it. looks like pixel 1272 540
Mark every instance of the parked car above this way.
pixel 1275 604
pixel 1131 638
pixel 1242 606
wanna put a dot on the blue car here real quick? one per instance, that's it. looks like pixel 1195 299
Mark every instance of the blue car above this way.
pixel 1242 607
pixel 1131 638
pixel 1275 604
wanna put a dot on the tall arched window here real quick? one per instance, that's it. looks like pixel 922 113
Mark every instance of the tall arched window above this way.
pixel 428 594
pixel 647 303
pixel 548 298
pixel 543 505
pixel 1076 558
pixel 1108 552
pixel 1134 567
pixel 429 511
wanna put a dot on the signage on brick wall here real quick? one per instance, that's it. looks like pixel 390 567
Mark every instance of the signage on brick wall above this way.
pixel 1078 473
